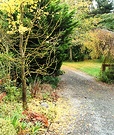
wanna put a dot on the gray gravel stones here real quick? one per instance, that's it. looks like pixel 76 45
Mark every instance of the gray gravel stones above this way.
pixel 92 104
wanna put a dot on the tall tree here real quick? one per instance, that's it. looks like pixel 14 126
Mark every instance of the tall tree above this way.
pixel 101 43
pixel 85 23
pixel 40 32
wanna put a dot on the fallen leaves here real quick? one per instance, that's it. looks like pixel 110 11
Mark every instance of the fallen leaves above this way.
pixel 0 81
pixel 34 117
pixel 44 92
pixel 2 95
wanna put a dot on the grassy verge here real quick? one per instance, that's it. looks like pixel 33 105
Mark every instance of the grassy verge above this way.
pixel 91 67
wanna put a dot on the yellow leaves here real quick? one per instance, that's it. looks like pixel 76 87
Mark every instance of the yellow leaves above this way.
pixel 46 13
pixel 64 116
pixel 12 27
pixel 49 111
pixel 100 41
pixel 38 17
pixel 10 32
pixel 82 7
pixel 13 9
pixel 22 29
pixel 11 6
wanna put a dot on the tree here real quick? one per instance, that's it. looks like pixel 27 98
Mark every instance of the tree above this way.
pixel 100 42
pixel 103 6
pixel 85 22
pixel 107 21
pixel 40 34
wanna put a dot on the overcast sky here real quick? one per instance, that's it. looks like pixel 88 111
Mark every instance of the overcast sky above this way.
pixel 94 4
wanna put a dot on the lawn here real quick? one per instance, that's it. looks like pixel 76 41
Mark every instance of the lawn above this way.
pixel 91 67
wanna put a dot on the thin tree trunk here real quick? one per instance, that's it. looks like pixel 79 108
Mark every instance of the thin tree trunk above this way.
pixel 23 85
pixel 23 76
pixel 22 54
pixel 71 53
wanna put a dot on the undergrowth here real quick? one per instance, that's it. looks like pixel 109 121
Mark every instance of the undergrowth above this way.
pixel 107 76
pixel 42 107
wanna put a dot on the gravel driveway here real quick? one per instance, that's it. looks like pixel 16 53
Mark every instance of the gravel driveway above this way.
pixel 92 104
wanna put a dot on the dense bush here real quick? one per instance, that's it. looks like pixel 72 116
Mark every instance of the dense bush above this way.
pixel 108 75
pixel 5 65
pixel 13 93
pixel 57 14
pixel 51 80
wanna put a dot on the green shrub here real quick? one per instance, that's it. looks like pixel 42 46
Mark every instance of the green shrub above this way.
pixel 6 128
pixel 103 77
pixel 53 80
pixel 5 65
pixel 13 93
pixel 107 76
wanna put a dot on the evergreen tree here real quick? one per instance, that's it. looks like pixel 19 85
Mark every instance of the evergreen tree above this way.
pixel 103 6
pixel 107 21
pixel 51 31
pixel 59 22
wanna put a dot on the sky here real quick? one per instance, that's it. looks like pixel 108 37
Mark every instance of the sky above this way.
pixel 94 4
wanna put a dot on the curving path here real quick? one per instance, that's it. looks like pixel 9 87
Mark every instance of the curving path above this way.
pixel 92 101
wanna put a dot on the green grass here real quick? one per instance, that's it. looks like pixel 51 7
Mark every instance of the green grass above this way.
pixel 91 67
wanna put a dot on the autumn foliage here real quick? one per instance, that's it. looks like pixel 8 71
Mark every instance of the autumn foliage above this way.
pixel 35 117
pixel 2 95
pixel 100 42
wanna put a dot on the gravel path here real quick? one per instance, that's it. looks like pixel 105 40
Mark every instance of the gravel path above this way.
pixel 92 104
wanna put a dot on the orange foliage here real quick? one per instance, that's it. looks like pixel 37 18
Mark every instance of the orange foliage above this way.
pixel 54 96
pixel 0 81
pixel 33 117
pixel 23 132
pixel 2 95
pixel 35 89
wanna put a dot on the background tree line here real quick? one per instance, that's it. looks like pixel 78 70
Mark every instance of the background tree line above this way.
pixel 89 17
pixel 93 38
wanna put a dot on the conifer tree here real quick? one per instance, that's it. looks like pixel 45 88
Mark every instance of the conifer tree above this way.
pixel 103 6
